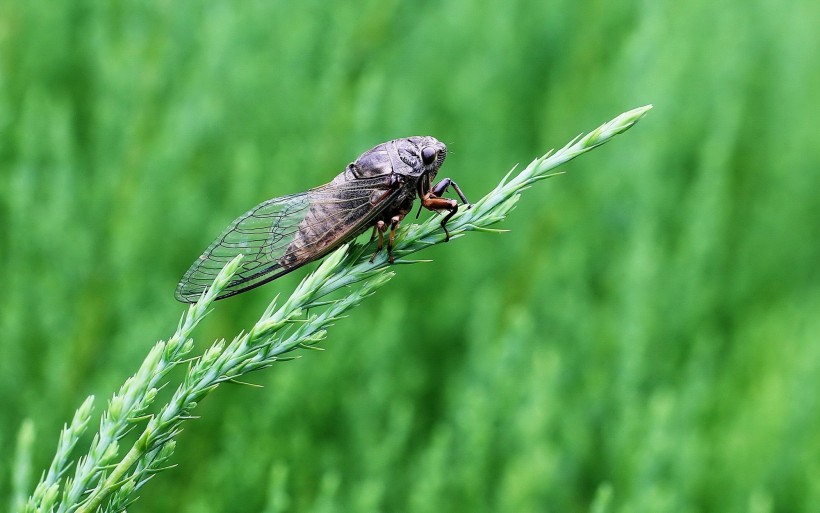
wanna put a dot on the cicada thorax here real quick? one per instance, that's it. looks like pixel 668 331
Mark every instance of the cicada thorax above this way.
pixel 394 157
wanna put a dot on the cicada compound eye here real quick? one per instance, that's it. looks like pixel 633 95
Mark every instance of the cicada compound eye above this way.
pixel 428 156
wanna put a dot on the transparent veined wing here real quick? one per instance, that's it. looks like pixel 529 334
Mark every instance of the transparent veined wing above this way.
pixel 283 234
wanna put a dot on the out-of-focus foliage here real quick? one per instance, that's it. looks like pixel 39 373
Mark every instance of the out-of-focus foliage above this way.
pixel 646 338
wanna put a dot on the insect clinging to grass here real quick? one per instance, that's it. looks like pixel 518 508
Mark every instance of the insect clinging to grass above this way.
pixel 375 191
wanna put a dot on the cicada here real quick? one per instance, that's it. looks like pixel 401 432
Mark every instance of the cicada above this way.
pixel 375 191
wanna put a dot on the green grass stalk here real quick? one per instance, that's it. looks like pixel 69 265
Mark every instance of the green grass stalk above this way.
pixel 103 483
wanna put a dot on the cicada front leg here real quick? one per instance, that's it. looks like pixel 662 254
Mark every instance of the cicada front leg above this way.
pixel 433 200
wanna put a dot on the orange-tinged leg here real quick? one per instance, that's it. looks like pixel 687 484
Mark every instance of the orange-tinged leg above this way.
pixel 378 229
pixel 394 223
pixel 451 206
pixel 432 200
pixel 440 188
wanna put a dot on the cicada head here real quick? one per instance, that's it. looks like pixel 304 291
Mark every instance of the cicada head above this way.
pixel 422 154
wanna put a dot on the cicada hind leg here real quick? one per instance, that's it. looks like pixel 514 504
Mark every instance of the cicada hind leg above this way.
pixel 378 231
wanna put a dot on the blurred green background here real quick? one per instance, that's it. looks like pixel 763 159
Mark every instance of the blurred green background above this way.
pixel 647 337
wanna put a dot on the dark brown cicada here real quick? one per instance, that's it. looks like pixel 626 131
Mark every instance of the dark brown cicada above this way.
pixel 283 234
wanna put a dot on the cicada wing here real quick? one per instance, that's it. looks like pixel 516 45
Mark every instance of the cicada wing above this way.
pixel 261 234
pixel 283 234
